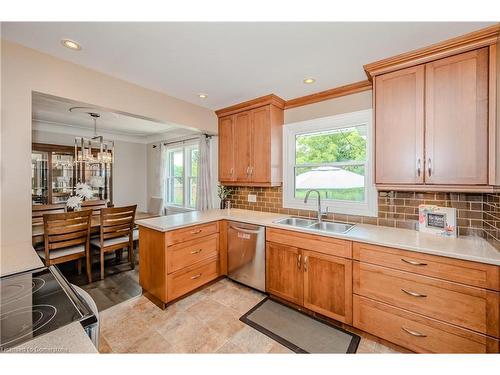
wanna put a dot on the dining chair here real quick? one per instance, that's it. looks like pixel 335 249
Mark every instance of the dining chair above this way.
pixel 67 237
pixel 117 225
pixel 95 205
pixel 38 210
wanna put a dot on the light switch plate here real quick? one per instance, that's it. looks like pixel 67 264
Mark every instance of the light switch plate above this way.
pixel 252 198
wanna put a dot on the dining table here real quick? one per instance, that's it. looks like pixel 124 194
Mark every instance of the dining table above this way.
pixel 38 231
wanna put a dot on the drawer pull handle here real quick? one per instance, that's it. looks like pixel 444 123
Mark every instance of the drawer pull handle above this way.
pixel 299 258
pixel 413 263
pixel 413 333
pixel 195 276
pixel 196 231
pixel 305 264
pixel 413 294
pixel 196 251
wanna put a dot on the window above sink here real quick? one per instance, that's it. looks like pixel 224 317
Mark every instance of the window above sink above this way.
pixel 334 156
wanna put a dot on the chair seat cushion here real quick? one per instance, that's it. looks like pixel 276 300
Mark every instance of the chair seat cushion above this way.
pixel 58 253
pixel 109 242
pixel 135 234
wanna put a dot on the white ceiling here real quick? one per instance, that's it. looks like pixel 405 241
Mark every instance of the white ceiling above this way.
pixel 233 62
pixel 57 111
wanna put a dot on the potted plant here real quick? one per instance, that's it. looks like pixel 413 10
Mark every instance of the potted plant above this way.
pixel 223 192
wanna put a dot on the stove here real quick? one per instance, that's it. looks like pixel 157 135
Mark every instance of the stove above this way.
pixel 36 302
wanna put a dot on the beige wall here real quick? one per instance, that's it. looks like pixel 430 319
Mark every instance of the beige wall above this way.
pixel 23 71
pixel 344 104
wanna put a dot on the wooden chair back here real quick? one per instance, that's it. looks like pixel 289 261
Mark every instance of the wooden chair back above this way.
pixel 95 205
pixel 66 230
pixel 117 222
pixel 38 210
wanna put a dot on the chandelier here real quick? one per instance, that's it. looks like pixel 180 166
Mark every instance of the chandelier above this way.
pixel 84 147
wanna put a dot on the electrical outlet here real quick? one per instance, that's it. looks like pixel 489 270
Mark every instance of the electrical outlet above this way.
pixel 252 198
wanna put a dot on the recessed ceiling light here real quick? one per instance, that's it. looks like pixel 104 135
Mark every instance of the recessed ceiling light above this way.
pixel 71 44
pixel 202 96
pixel 309 80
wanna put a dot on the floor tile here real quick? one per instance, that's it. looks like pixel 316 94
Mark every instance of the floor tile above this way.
pixel 204 322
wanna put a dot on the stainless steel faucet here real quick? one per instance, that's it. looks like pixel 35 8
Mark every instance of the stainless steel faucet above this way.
pixel 320 213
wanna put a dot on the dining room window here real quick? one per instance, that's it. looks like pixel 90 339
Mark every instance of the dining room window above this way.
pixel 182 176
pixel 332 155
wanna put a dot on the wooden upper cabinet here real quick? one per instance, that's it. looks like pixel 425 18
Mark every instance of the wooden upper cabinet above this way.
pixel 226 149
pixel 252 147
pixel 284 276
pixel 242 146
pixel 399 127
pixel 260 170
pixel 456 136
pixel 432 124
pixel 328 285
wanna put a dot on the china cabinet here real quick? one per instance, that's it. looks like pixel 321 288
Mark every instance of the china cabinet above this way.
pixel 54 175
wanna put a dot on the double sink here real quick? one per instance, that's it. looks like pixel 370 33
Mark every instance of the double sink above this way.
pixel 322 226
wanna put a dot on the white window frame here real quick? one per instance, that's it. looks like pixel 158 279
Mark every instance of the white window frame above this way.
pixel 290 131
pixel 186 194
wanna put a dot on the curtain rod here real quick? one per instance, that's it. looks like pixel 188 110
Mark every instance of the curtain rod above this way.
pixel 183 140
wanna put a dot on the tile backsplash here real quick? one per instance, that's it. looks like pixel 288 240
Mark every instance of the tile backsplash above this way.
pixel 478 214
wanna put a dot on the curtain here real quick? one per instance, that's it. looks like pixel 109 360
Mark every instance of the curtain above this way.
pixel 204 186
pixel 163 174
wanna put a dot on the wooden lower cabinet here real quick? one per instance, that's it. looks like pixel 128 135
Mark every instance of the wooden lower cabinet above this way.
pixel 174 263
pixel 416 332
pixel 284 276
pixel 328 285
pixel 319 282
pixel 190 278
pixel 462 305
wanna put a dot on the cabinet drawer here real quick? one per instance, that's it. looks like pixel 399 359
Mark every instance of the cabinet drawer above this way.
pixel 415 332
pixel 465 306
pixel 190 278
pixel 191 252
pixel 460 271
pixel 320 244
pixel 191 233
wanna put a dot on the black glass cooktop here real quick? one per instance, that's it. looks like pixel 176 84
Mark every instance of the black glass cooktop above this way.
pixel 36 302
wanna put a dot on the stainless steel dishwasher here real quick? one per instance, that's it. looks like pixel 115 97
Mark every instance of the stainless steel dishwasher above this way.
pixel 246 254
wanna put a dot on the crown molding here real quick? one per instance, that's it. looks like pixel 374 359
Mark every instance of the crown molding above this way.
pixel 336 92
pixel 59 128
pixel 463 43
pixel 251 104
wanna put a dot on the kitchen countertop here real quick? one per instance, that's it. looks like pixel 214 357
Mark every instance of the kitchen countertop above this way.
pixel 68 339
pixel 17 258
pixel 467 248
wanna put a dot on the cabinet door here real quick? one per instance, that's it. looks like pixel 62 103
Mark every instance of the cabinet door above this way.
pixel 399 127
pixel 242 146
pixel 457 119
pixel 284 277
pixel 328 285
pixel 260 169
pixel 226 148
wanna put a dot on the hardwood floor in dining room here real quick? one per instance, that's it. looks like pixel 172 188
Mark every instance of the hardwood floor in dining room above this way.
pixel 120 283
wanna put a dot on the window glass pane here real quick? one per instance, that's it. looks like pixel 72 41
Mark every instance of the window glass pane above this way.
pixel 339 183
pixel 175 180
pixel 331 146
